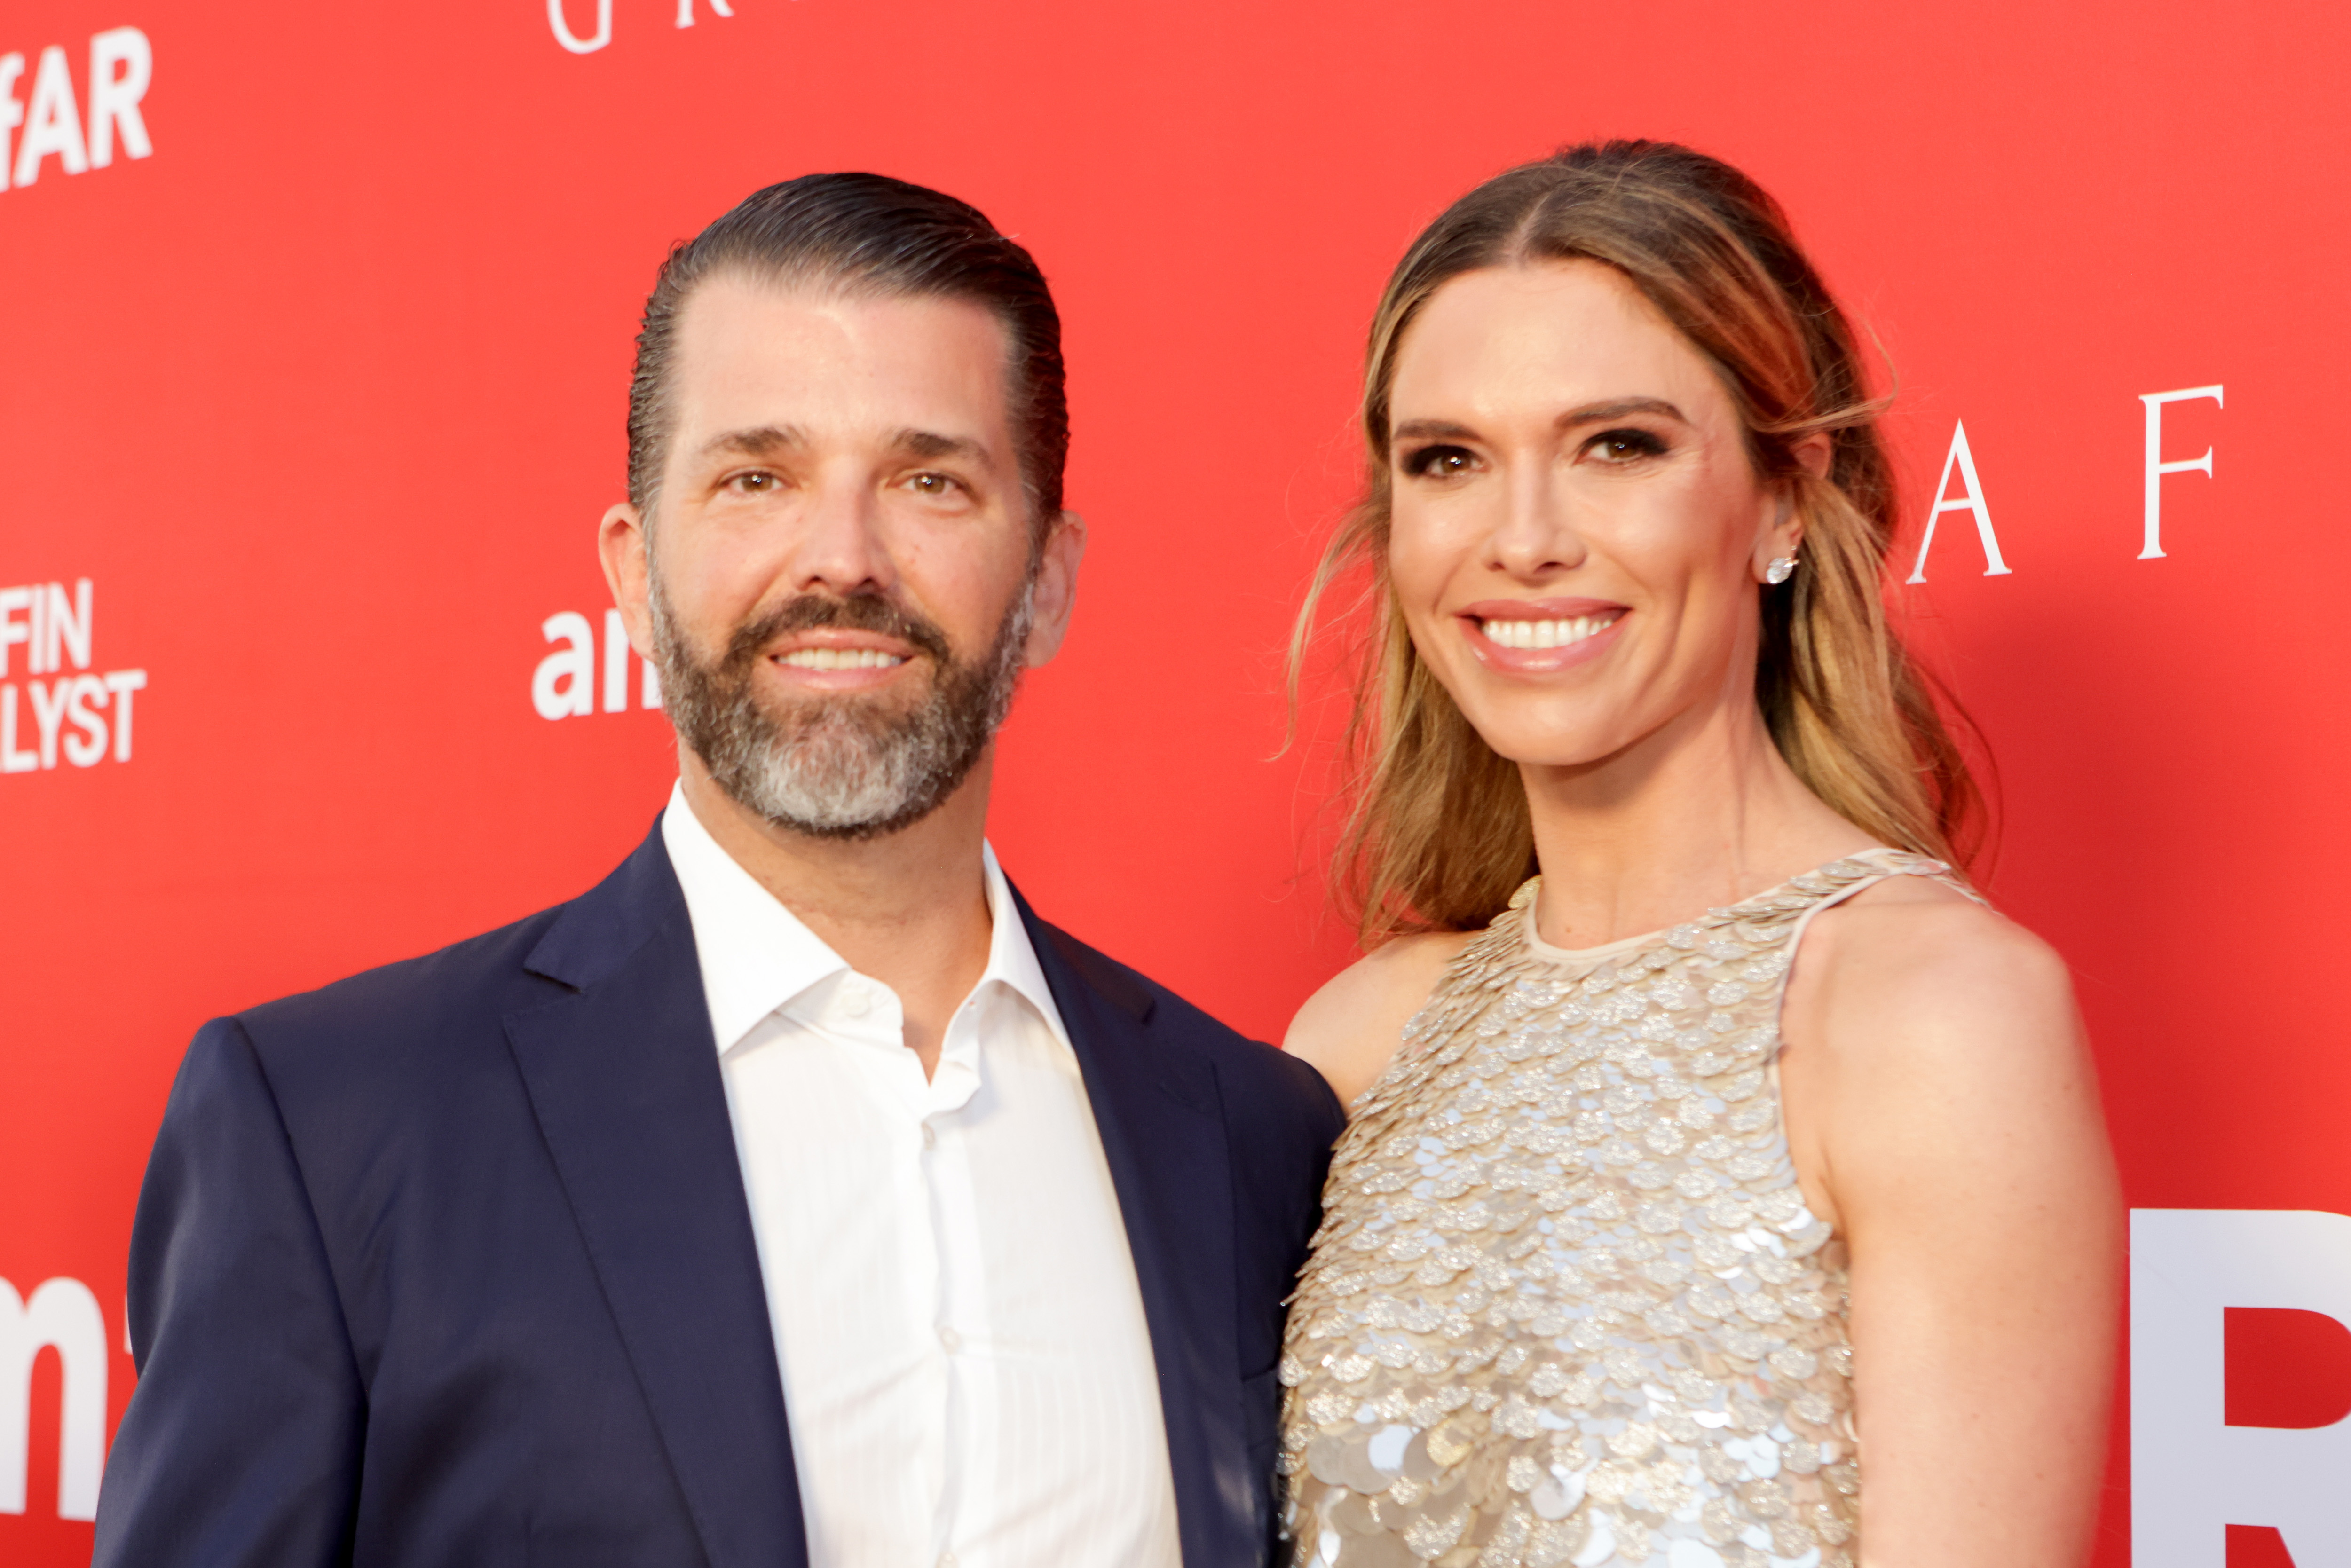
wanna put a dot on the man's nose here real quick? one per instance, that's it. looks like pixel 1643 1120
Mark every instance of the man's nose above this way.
pixel 840 548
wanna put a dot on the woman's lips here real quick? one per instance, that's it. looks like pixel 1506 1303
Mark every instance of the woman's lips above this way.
pixel 1541 636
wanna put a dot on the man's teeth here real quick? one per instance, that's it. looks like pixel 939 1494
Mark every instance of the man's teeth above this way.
pixel 840 659
pixel 1546 633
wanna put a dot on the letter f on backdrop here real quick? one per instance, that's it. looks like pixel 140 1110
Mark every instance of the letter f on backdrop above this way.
pixel 2151 546
pixel 2192 1474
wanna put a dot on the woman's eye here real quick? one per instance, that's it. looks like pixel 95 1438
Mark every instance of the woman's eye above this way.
pixel 1440 462
pixel 1624 445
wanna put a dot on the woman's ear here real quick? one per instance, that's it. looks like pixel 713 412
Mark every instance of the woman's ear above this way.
pixel 1815 452
pixel 1785 538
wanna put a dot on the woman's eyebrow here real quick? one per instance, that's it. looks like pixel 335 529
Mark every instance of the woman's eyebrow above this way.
pixel 1589 413
pixel 1592 412
pixel 1432 429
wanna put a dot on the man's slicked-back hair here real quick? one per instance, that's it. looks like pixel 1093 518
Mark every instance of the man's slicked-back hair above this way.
pixel 865 233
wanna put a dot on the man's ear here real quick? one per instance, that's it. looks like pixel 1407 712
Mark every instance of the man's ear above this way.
pixel 622 544
pixel 1055 595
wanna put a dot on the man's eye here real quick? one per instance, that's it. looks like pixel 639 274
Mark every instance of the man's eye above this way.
pixel 1440 462
pixel 932 485
pixel 753 483
pixel 1624 445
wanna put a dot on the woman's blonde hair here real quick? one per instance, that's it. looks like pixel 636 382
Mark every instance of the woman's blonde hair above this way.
pixel 1437 835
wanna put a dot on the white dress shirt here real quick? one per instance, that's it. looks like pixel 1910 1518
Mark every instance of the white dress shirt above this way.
pixel 967 1372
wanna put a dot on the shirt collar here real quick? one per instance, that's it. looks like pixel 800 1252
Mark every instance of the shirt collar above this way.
pixel 756 955
pixel 1011 957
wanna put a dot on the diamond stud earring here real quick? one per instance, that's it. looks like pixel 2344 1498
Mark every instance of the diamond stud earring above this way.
pixel 1781 569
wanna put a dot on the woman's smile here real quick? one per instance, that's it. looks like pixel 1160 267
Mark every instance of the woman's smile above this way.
pixel 1541 636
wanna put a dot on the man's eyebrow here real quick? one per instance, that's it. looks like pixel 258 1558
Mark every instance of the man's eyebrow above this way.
pixel 931 445
pixel 1589 413
pixel 762 441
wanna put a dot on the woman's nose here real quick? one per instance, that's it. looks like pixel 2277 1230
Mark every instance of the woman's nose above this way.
pixel 1536 535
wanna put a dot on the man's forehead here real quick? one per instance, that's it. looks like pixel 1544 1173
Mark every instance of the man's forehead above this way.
pixel 823 362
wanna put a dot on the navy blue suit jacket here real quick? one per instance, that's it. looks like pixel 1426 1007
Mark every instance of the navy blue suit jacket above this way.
pixel 450 1263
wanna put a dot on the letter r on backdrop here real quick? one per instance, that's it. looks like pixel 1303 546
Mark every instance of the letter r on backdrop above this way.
pixel 2192 1474
pixel 2151 549
pixel 121 67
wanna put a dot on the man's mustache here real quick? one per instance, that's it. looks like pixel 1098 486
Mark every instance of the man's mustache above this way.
pixel 858 613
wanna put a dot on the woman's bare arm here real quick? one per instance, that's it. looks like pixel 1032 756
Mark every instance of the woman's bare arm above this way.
pixel 1941 1093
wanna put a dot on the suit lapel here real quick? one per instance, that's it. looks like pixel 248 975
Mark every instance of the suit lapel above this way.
pixel 1163 1133
pixel 624 1079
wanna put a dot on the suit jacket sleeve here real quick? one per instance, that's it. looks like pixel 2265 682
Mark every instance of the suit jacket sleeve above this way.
pixel 241 1446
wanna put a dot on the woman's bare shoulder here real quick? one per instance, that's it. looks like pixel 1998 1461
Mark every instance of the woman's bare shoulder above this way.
pixel 1924 944
pixel 1913 979
pixel 1350 1028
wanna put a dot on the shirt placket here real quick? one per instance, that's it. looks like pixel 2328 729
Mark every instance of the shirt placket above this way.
pixel 868 1014
pixel 964 1317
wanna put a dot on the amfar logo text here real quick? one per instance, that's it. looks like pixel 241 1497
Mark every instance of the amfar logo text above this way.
pixel 63 1316
pixel 76 714
pixel 559 22
pixel 50 122
pixel 564 685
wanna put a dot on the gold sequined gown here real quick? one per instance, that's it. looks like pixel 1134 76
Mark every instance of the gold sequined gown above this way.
pixel 1567 1304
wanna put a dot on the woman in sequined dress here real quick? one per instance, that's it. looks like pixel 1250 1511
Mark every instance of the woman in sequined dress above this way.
pixel 1726 1186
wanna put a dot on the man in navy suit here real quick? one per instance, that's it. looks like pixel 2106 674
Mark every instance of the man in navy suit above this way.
pixel 796 1195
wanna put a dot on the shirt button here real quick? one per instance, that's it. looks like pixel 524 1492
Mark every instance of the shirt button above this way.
pixel 930 1137
pixel 855 1002
pixel 946 1560
pixel 950 1339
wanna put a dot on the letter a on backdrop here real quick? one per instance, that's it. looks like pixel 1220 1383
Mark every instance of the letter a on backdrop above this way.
pixel 1970 499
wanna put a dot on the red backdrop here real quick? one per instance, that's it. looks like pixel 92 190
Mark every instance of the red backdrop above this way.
pixel 324 398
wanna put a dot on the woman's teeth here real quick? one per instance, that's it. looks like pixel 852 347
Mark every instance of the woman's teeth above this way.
pixel 1545 634
pixel 840 659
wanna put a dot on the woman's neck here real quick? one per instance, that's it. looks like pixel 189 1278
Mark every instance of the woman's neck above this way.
pixel 1699 814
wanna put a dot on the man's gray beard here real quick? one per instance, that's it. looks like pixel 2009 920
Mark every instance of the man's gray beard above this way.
pixel 834 766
